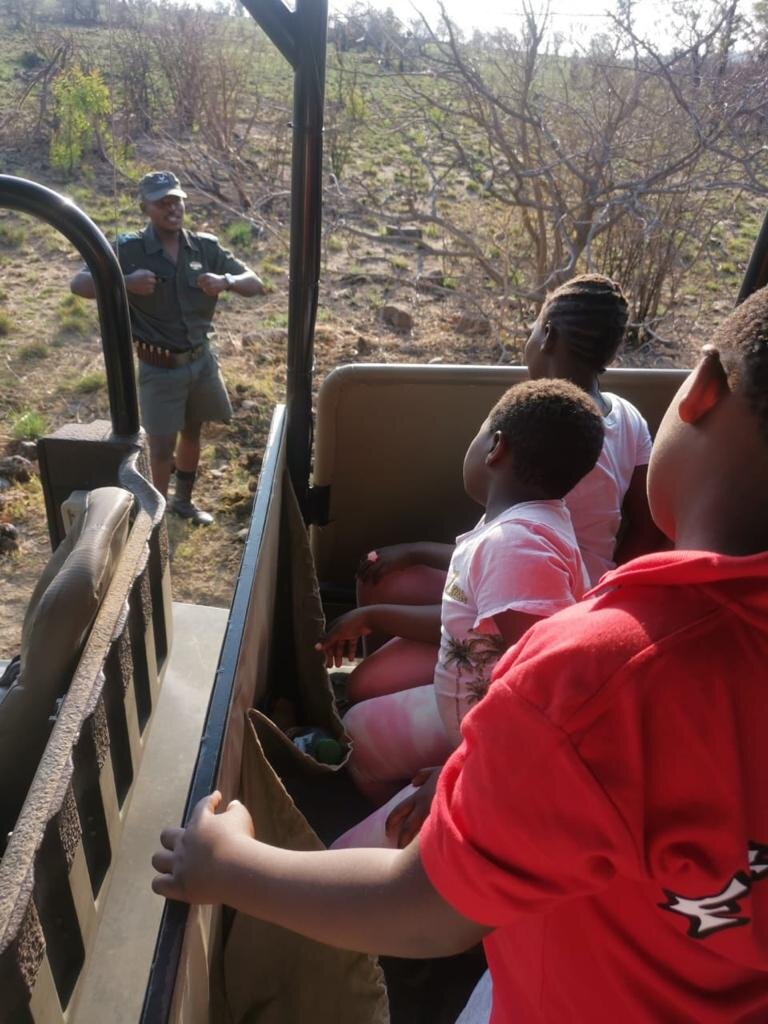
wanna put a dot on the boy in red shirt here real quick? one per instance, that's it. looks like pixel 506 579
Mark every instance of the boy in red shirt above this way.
pixel 604 824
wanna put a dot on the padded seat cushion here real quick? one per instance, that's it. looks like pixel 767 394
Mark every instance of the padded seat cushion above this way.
pixel 58 620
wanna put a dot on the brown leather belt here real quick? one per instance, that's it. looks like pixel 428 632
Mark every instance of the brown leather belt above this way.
pixel 156 355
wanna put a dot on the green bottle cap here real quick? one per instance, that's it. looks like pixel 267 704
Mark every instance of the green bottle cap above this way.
pixel 328 751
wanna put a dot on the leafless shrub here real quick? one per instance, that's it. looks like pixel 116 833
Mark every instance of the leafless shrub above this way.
pixel 603 157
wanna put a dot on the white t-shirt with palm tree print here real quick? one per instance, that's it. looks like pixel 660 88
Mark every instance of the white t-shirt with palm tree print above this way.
pixel 526 559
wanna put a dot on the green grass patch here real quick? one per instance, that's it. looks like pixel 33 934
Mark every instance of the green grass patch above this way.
pixel 270 267
pixel 90 383
pixel 73 305
pixel 276 320
pixel 33 351
pixel 11 237
pixel 73 325
pixel 25 503
pixel 5 324
pixel 75 317
pixel 239 234
pixel 28 425
pixel 335 244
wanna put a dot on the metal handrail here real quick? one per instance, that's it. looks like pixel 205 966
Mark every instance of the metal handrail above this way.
pixel 111 297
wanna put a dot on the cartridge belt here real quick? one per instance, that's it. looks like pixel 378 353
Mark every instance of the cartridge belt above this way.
pixel 156 355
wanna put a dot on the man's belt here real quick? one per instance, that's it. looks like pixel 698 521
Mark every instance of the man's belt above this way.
pixel 156 355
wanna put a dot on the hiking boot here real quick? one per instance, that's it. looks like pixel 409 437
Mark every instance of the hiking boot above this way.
pixel 187 509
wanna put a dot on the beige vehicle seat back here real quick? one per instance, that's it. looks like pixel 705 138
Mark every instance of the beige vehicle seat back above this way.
pixel 390 443
pixel 56 625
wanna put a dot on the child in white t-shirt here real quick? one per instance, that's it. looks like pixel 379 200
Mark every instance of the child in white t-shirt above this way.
pixel 526 560
pixel 521 563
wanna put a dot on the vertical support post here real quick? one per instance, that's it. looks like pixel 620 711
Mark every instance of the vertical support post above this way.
pixel 756 274
pixel 310 24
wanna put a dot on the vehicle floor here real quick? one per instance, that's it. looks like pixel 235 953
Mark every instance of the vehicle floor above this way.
pixel 420 991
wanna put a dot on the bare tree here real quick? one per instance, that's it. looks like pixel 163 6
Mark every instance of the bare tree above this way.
pixel 600 157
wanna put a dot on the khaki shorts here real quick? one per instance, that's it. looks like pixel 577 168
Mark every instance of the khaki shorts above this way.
pixel 171 399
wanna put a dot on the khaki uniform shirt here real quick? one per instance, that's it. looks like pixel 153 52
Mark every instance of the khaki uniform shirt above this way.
pixel 177 315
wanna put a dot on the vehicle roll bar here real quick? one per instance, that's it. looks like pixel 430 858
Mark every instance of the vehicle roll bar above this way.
pixel 111 298
pixel 756 274
pixel 300 36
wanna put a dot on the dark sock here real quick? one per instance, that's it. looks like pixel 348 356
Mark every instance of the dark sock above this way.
pixel 185 481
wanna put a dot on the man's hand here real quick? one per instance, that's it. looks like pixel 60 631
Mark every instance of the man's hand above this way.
pixel 341 639
pixel 212 284
pixel 141 282
pixel 404 822
pixel 193 858
pixel 378 563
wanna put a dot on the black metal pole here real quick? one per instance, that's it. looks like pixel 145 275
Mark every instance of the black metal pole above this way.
pixel 756 274
pixel 306 214
pixel 111 298
pixel 277 21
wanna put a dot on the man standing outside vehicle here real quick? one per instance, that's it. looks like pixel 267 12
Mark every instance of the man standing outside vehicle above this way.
pixel 173 278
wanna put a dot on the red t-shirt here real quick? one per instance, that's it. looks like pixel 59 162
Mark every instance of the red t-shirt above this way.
pixel 607 811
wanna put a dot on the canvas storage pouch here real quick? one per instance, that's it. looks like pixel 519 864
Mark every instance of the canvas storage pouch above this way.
pixel 272 975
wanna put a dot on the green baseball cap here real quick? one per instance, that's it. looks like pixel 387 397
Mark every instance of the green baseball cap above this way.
pixel 158 184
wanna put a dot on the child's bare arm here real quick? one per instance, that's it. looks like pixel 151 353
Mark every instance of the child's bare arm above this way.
pixel 382 560
pixel 413 622
pixel 373 901
pixel 340 640
pixel 512 625
pixel 642 535
pixel 410 621
pixel 404 821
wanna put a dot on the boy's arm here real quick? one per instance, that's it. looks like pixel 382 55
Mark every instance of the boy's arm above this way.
pixel 512 625
pixel 410 621
pixel 382 560
pixel 372 901
pixel 413 622
pixel 641 535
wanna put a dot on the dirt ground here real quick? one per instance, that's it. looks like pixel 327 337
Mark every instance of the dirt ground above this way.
pixel 51 373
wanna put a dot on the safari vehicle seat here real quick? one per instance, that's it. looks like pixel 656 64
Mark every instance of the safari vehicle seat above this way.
pixel 388 450
pixel 58 619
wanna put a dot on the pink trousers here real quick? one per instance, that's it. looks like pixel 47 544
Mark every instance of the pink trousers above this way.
pixel 395 725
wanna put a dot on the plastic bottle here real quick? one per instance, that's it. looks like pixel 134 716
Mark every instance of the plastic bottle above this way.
pixel 319 744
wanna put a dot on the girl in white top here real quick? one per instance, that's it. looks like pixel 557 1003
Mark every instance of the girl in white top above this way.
pixel 576 335
pixel 521 563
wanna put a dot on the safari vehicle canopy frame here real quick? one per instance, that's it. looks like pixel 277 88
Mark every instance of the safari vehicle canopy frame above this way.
pixel 96 670
pixel 300 36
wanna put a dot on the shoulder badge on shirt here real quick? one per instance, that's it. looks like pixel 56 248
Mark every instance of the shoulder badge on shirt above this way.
pixel 206 237
pixel 128 236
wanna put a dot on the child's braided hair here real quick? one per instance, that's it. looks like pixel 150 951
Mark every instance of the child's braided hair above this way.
pixel 592 312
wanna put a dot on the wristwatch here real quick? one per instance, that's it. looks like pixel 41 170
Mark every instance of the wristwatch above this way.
pixel 230 279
